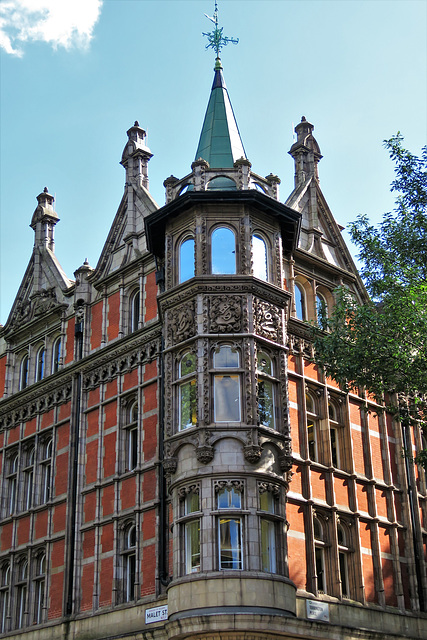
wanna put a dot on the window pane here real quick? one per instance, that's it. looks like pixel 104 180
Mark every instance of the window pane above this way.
pixel 56 355
pixel 311 436
pixel 40 365
pixel 191 503
pixel 300 302
pixel 187 405
pixel 192 546
pixel 229 498
pixel 264 363
pixel 186 260
pixel 129 582
pixel 322 311
pixel 343 573
pixel 226 357
pixel 259 255
pixel 23 380
pixel 227 398
pixel 268 546
pixel 223 251
pixel 134 311
pixel 320 570
pixel 266 403
pixel 230 536
pixel 266 501
pixel 187 364
pixel 132 460
pixel 334 447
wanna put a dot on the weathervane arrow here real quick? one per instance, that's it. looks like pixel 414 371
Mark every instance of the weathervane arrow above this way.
pixel 216 40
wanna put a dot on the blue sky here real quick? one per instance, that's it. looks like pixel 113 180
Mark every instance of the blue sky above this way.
pixel 76 74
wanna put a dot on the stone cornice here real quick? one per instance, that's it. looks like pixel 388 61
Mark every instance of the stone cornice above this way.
pixel 224 284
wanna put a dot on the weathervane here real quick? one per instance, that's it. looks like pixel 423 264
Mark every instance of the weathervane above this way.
pixel 216 39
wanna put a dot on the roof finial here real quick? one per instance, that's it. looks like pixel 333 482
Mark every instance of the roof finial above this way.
pixel 216 40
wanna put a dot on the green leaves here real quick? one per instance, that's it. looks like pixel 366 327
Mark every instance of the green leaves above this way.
pixel 381 346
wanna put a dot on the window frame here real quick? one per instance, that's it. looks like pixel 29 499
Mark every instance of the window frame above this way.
pixel 269 543
pixel 320 557
pixel 264 378
pixel 11 477
pixel 131 434
pixel 135 321
pixel 216 252
pixel 46 463
pixel 128 561
pixel 312 422
pixel 219 373
pixel 39 586
pixel 187 385
pixel 40 370
pixel 24 369
pixel 231 513
pixel 56 354
pixel 260 236
pixel 185 239
pixel 302 303
pixel 5 575
pixel 21 590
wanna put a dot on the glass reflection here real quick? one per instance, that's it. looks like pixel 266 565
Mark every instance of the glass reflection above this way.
pixel 186 260
pixel 223 251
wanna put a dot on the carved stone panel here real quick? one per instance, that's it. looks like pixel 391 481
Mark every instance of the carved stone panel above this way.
pixel 225 314
pixel 181 323
pixel 268 321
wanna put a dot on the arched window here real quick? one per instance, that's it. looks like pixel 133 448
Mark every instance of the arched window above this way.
pixel 23 373
pixel 40 363
pixel 312 426
pixel 46 471
pixel 321 311
pixel 56 355
pixel 12 483
pixel 268 531
pixel 39 586
pixel 266 385
pixel 227 404
pixel 334 434
pixel 29 478
pixel 319 554
pixel 134 311
pixel 186 260
pixel 230 528
pixel 300 305
pixel 259 257
pixel 4 595
pixel 191 504
pixel 223 251
pixel 132 436
pixel 343 556
pixel 187 400
pixel 21 592
pixel 129 563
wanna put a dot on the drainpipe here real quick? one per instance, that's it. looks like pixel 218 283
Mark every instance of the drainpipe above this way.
pixel 72 518
pixel 163 515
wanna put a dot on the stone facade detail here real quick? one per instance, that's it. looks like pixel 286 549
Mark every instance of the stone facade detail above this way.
pixel 268 321
pixel 225 314
pixel 181 323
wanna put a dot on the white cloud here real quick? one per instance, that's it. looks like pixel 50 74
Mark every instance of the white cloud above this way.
pixel 60 23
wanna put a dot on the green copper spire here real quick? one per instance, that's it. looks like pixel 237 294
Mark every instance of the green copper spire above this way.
pixel 220 143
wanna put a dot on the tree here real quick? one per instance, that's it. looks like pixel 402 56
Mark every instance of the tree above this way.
pixel 381 345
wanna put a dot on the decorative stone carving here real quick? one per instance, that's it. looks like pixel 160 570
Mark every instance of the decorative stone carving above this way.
pixel 268 321
pixel 271 487
pixel 184 491
pixel 182 323
pixel 170 465
pixel 219 485
pixel 225 314
pixel 252 453
pixel 205 453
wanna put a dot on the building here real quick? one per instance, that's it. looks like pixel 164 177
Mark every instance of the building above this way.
pixel 173 464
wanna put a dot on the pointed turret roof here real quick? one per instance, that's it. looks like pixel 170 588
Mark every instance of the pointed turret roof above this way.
pixel 220 143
